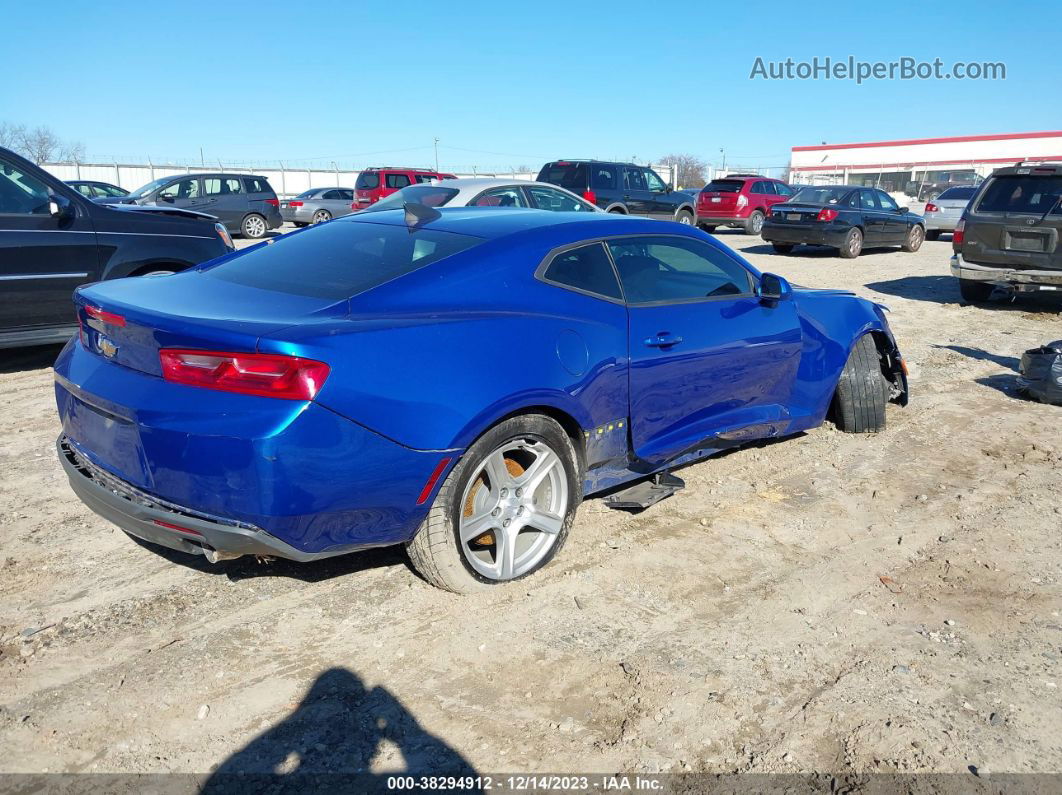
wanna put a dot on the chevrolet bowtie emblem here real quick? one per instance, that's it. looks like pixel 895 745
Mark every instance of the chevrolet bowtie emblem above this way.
pixel 107 348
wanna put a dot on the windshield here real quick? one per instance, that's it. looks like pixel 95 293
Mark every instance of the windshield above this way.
pixel 340 260
pixel 428 195
pixel 724 186
pixel 144 190
pixel 1022 194
pixel 821 195
pixel 965 194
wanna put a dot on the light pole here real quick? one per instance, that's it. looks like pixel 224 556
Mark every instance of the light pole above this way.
pixel 436 155
pixel 723 153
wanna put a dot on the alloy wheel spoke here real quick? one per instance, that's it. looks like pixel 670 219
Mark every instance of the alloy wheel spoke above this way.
pixel 546 522
pixel 539 469
pixel 505 552
pixel 475 526
pixel 497 473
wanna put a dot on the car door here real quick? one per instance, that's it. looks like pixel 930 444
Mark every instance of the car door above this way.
pixel 332 200
pixel 42 258
pixel 225 198
pixel 663 203
pixel 873 219
pixel 709 360
pixel 894 223
pixel 186 192
pixel 636 195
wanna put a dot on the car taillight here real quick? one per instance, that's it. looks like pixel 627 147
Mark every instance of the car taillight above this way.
pixel 826 214
pixel 265 374
pixel 354 205
pixel 103 316
pixel 932 208
pixel 742 201
pixel 273 202
pixel 958 235
pixel 294 203
pixel 590 196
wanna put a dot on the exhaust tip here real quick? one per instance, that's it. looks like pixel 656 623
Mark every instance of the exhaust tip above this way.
pixel 215 555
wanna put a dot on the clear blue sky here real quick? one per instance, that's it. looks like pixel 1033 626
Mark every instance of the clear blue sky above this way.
pixel 503 84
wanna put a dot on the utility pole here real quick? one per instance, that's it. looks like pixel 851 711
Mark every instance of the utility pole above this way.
pixel 723 153
pixel 436 155
pixel 202 160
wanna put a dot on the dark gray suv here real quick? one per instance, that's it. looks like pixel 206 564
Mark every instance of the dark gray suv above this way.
pixel 1008 236
pixel 245 204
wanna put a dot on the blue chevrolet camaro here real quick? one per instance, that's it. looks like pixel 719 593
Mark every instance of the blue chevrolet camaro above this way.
pixel 455 380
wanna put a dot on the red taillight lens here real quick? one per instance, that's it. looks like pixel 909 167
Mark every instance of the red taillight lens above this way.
pixel 354 205
pixel 265 374
pixel 932 208
pixel 294 204
pixel 103 316
pixel 958 235
pixel 826 214
pixel 273 202
pixel 590 196
pixel 742 201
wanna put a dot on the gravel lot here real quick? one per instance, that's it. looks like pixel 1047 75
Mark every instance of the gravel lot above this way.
pixel 827 602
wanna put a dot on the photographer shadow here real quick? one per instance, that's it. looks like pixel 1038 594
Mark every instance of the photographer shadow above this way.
pixel 329 742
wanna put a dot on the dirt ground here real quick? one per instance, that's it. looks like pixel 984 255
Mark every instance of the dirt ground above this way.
pixel 823 603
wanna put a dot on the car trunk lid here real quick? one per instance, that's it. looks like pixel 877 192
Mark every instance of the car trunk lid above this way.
pixel 1016 221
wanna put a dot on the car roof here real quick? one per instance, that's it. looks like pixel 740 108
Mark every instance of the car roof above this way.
pixel 494 222
pixel 1029 169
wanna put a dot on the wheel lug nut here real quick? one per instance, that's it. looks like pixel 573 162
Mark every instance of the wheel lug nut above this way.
pixel 507 522
pixel 520 511
pixel 505 492
pixel 496 512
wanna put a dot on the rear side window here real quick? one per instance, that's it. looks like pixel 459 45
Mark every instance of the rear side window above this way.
pixel 368 180
pixel 257 185
pixel 1022 194
pixel 587 269
pixel 340 260
pixel 603 177
pixel 960 194
pixel 571 176
pixel 397 180
pixel 221 186
pixel 724 186
pixel 332 194
pixel 420 178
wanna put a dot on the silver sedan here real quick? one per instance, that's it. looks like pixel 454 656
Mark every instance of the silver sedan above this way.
pixel 317 205
pixel 944 212
pixel 487 192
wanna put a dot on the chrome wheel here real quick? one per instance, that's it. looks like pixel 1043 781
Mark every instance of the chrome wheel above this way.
pixel 254 226
pixel 755 223
pixel 513 509
pixel 914 240
pixel 686 219
pixel 321 216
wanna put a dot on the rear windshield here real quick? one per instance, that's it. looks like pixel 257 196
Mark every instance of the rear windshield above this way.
pixel 568 175
pixel 724 186
pixel 307 193
pixel 340 260
pixel 958 193
pixel 1022 194
pixel 821 195
pixel 428 195
pixel 368 180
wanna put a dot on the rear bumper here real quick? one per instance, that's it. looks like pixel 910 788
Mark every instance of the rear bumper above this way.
pixel 297 215
pixel 1015 279
pixel 151 519
pixel 940 223
pixel 821 235
pixel 721 218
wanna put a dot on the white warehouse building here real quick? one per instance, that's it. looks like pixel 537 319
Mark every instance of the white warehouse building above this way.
pixel 920 167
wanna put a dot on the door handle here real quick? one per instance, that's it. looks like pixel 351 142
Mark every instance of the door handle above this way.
pixel 662 340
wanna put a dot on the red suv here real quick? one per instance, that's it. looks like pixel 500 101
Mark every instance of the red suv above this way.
pixel 742 200
pixel 375 183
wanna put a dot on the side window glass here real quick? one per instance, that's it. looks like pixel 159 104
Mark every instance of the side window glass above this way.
pixel 635 179
pixel 782 189
pixel 655 269
pixel 397 180
pixel 603 177
pixel 886 201
pixel 867 200
pixel 231 185
pixel 331 194
pixel 549 199
pixel 211 186
pixel 347 195
pixel 21 194
pixel 586 268
pixel 183 189
pixel 500 197
pixel 656 185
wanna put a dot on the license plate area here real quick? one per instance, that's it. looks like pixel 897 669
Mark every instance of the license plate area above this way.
pixel 793 216
pixel 1026 240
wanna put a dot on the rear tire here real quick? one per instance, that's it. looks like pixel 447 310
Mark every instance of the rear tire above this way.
pixel 862 391
pixel 618 211
pixel 684 217
pixel 254 226
pixel 932 234
pixel 709 228
pixel 321 216
pixel 438 552
pixel 974 292
pixel 915 235
pixel 852 245
pixel 754 224
pixel 782 248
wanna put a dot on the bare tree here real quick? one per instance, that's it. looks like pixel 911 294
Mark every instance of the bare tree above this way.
pixel 689 170
pixel 40 144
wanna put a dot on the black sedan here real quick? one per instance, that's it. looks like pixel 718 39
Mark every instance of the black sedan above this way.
pixel 844 217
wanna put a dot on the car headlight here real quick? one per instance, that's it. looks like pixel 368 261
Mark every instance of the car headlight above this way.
pixel 226 238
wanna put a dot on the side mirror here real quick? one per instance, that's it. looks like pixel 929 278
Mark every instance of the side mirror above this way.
pixel 167 199
pixel 58 207
pixel 903 210
pixel 773 288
